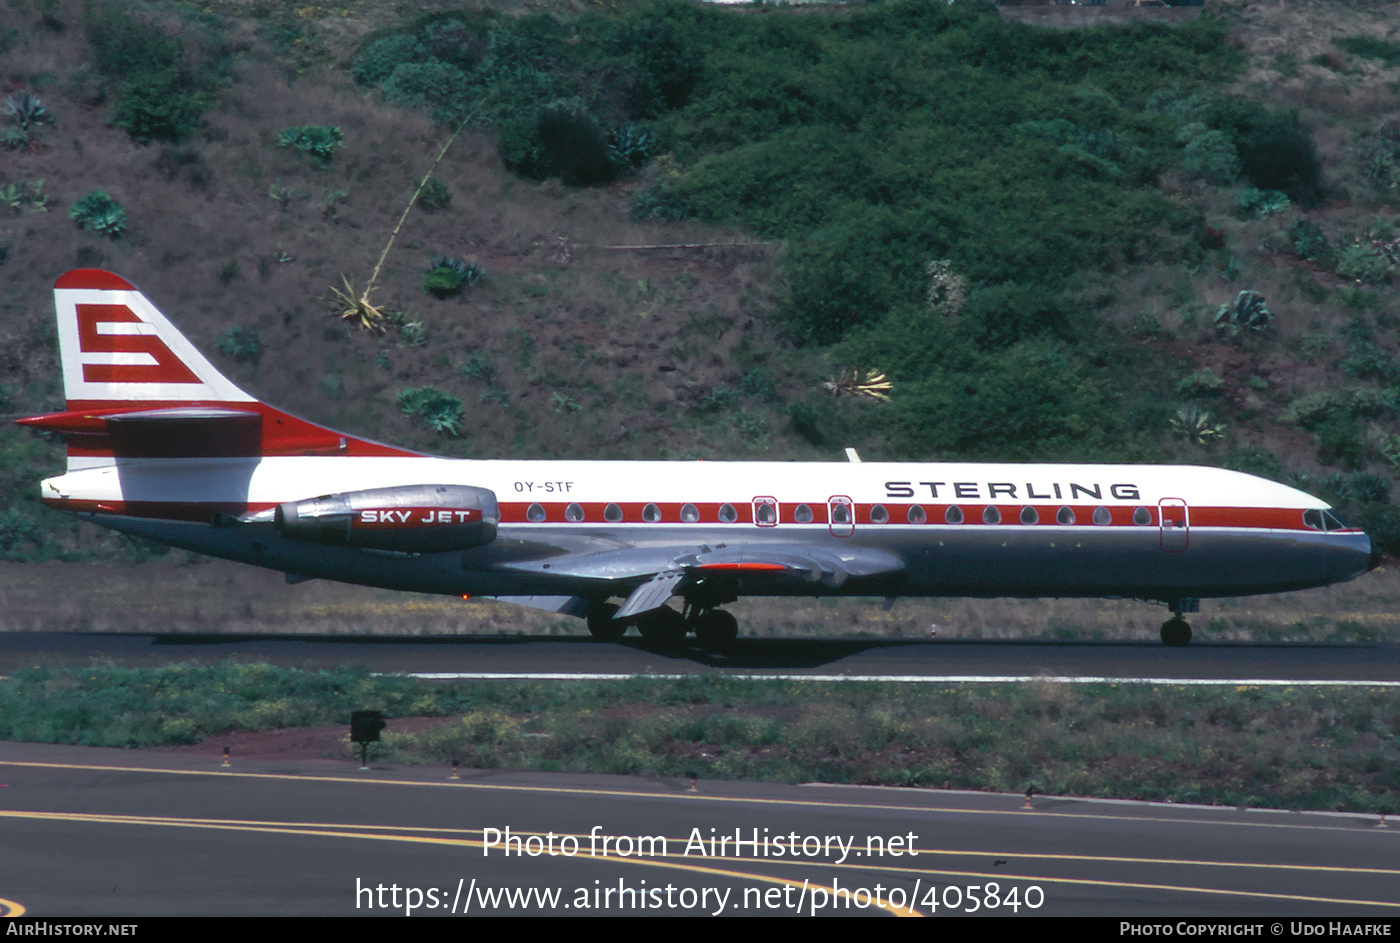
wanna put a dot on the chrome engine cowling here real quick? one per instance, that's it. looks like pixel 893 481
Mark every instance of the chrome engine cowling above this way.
pixel 408 518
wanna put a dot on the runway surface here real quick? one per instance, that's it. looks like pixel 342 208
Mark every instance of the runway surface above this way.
pixel 1223 661
pixel 107 832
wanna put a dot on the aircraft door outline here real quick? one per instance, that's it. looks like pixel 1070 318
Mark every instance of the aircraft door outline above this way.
pixel 841 515
pixel 1175 518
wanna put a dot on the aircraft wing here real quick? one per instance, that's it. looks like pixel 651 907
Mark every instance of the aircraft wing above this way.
pixel 655 574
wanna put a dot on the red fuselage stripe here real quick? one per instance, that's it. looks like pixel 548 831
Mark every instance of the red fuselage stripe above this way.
pixel 594 513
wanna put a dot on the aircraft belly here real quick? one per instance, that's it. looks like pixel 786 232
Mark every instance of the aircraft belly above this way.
pixel 947 561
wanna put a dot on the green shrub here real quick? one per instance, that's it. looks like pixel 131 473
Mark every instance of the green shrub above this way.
pixel 1309 241
pixel 431 84
pixel 162 93
pixel 378 60
pixel 559 140
pixel 1364 263
pixel 439 411
pixel 1279 155
pixel 1201 383
pixel 1379 156
pixel 97 212
pixel 14 139
pixel 1369 47
pixel 1209 154
pixel 320 142
pixel 435 196
pixel 242 344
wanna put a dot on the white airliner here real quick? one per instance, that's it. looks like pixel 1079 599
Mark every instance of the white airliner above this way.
pixel 161 445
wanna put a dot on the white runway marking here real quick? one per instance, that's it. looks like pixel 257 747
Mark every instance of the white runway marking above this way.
pixel 898 679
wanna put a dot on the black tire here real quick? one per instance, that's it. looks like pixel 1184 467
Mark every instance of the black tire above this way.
pixel 602 626
pixel 664 628
pixel 1176 632
pixel 716 631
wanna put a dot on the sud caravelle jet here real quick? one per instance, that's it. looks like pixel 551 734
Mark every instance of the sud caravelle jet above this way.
pixel 161 445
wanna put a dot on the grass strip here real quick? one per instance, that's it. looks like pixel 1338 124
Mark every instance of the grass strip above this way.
pixel 1279 747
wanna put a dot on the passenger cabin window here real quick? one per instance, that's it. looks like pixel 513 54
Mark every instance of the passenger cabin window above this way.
pixel 573 512
pixel 953 515
pixel 803 514
pixel 840 514
pixel 1064 516
pixel 689 514
pixel 765 512
pixel 1142 516
pixel 990 515
pixel 727 514
pixel 651 514
pixel 1029 515
pixel 878 514
pixel 915 514
pixel 1102 517
pixel 612 514
pixel 535 513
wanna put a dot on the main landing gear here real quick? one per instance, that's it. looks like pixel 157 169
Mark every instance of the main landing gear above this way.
pixel 665 628
pixel 1176 631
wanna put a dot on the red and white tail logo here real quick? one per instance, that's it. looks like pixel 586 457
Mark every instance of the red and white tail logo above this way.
pixel 117 348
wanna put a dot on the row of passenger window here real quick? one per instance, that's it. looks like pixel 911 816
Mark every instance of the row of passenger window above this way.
pixel 840 514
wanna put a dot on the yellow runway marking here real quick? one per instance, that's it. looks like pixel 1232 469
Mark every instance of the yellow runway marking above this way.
pixel 674 796
pixel 327 831
pixel 377 833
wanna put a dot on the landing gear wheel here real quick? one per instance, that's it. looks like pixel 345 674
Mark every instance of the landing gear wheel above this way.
pixel 602 626
pixel 1176 632
pixel 664 628
pixel 716 630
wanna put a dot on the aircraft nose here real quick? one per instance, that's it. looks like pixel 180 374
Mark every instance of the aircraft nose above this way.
pixel 1376 554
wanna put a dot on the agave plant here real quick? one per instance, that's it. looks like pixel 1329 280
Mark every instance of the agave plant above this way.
pixel 319 141
pixel 97 212
pixel 631 145
pixel 1196 425
pixel 446 276
pixel 870 384
pixel 1246 314
pixel 439 411
pixel 27 110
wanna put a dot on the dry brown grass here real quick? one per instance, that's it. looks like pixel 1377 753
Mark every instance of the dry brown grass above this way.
pixel 607 326
pixel 226 598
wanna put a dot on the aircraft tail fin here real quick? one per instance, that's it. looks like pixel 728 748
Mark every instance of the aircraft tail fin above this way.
pixel 137 388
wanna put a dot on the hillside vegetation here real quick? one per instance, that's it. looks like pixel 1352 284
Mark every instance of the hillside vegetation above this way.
pixel 1131 243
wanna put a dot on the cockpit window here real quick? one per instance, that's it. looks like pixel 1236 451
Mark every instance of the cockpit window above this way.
pixel 1334 521
pixel 1313 518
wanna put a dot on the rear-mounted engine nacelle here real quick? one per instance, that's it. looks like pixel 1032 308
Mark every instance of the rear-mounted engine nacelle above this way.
pixel 412 518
